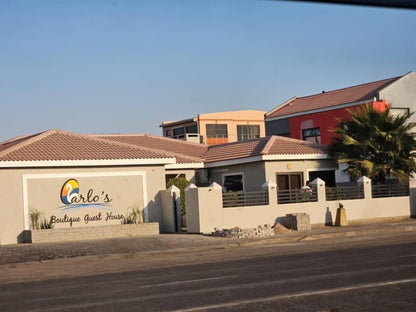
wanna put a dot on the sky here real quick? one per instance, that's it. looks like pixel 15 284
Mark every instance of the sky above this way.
pixel 124 66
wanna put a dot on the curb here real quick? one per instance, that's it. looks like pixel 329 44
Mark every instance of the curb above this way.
pixel 294 237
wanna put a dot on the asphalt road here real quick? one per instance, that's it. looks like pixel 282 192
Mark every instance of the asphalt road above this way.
pixel 379 276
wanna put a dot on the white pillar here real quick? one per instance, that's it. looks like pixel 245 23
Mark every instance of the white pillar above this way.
pixel 366 183
pixel 171 218
pixel 271 187
pixel 204 210
pixel 319 185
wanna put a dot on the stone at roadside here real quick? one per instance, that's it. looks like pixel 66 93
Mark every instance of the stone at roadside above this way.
pixel 280 229
pixel 260 231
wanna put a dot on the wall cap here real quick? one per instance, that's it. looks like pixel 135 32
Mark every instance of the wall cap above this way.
pixel 364 179
pixel 190 186
pixel 318 182
pixel 173 189
pixel 215 185
pixel 269 184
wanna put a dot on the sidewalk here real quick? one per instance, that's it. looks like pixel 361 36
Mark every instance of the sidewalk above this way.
pixel 19 253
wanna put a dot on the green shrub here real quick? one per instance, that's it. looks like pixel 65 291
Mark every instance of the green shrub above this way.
pixel 181 184
pixel 45 225
pixel 34 216
pixel 134 217
pixel 37 222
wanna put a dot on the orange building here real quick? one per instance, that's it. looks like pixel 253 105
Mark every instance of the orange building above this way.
pixel 217 128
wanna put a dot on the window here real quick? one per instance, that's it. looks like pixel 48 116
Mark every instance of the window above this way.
pixel 168 133
pixel 233 182
pixel 246 132
pixel 289 181
pixel 217 133
pixel 327 175
pixel 312 135
pixel 192 129
pixel 179 131
pixel 396 111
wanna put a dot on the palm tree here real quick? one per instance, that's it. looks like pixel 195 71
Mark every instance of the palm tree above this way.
pixel 375 144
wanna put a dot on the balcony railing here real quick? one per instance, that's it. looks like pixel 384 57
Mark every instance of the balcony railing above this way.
pixel 220 139
pixel 344 192
pixel 240 199
pixel 296 196
pixel 390 190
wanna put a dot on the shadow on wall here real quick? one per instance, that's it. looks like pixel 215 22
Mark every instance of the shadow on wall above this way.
pixel 280 220
pixel 154 208
pixel 412 198
pixel 24 238
pixel 328 217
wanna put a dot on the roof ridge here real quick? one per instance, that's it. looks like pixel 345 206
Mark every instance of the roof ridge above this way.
pixel 297 140
pixel 17 138
pixel 47 133
pixel 281 105
pixel 213 147
pixel 151 149
pixel 179 141
pixel 115 134
pixel 350 87
pixel 268 145
pixel 34 138
pixel 117 143
pixel 231 143
pixel 153 136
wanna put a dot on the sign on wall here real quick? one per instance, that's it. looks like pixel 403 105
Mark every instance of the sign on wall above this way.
pixel 83 199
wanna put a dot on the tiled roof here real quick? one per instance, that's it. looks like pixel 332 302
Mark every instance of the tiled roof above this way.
pixel 272 145
pixel 55 145
pixel 235 150
pixel 12 142
pixel 279 145
pixel 185 152
pixel 327 99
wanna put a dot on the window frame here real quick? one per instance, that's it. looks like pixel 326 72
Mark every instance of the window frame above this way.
pixel 250 134
pixel 297 173
pixel 233 174
pixel 318 137
pixel 178 134
pixel 216 134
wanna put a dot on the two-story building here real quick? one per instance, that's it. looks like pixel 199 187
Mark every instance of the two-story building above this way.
pixel 312 117
pixel 217 128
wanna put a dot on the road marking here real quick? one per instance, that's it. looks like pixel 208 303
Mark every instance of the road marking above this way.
pixel 143 297
pixel 407 256
pixel 295 295
pixel 189 281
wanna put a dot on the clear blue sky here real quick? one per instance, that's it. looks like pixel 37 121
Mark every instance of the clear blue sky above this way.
pixel 125 66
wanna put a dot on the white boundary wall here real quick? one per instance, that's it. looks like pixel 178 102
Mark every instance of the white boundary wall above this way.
pixel 205 212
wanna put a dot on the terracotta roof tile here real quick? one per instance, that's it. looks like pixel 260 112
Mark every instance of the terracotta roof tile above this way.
pixel 327 99
pixel 54 145
pixel 272 145
pixel 185 152
pixel 12 142
pixel 235 150
pixel 287 146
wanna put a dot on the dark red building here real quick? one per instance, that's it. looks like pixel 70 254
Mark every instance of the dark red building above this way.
pixel 312 117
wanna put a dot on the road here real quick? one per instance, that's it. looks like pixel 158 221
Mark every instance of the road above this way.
pixel 369 274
